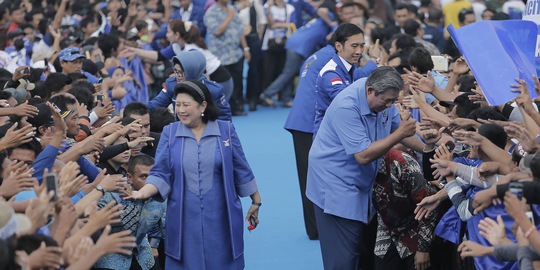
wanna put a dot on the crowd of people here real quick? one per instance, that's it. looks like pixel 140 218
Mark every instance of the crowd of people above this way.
pixel 119 151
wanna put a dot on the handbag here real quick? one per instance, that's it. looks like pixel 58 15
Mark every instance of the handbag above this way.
pixel 277 45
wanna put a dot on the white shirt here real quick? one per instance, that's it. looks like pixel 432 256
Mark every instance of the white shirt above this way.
pixel 186 14
pixel 212 62
pixel 278 15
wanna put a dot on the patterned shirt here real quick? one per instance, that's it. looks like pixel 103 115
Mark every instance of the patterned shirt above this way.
pixel 398 187
pixel 129 221
pixel 151 228
pixel 226 46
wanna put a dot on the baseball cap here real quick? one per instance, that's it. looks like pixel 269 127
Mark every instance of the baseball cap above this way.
pixel 70 54
pixel 44 116
pixel 11 223
pixel 26 85
pixel 18 94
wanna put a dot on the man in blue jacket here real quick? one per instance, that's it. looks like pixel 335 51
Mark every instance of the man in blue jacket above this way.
pixel 191 65
pixel 338 72
pixel 301 120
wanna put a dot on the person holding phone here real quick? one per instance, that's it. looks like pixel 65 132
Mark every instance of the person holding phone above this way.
pixel 201 171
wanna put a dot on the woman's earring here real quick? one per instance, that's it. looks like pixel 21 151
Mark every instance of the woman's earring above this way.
pixel 202 114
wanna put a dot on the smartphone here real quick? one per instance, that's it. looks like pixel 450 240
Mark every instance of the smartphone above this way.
pixel 516 188
pixel 450 145
pixel 252 223
pixel 51 181
pixel 99 97
pixel 439 63
pixel 98 58
pixel 56 108
pixel 25 71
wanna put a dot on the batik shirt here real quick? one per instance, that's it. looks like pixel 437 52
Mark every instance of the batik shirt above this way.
pixel 398 187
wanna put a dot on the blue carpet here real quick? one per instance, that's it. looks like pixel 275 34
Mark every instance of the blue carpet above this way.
pixel 280 241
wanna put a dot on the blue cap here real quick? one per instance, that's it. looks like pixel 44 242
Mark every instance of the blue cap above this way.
pixel 70 54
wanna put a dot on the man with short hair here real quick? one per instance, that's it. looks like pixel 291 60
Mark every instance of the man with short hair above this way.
pixel 466 17
pixel 414 29
pixel 338 73
pixel 360 125
pixel 152 221
pixel 402 13
pixel 139 111
pixel 71 62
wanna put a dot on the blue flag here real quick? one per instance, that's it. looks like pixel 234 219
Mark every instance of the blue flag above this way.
pixel 498 52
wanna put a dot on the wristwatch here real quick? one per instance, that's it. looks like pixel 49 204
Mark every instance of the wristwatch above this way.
pixel 100 188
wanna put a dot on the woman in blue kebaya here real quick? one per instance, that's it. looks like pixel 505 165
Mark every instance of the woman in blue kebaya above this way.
pixel 201 171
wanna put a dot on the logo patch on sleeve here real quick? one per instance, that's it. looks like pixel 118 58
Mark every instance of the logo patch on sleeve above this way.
pixel 336 81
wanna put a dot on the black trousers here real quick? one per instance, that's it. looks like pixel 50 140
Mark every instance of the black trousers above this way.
pixel 273 65
pixel 392 260
pixel 302 143
pixel 237 98
pixel 255 74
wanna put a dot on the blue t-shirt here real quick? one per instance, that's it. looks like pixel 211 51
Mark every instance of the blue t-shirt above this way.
pixel 306 39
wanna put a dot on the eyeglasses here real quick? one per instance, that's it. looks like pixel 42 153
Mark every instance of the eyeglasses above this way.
pixel 179 73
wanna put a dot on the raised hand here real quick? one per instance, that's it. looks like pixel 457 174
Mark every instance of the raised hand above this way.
pixel 443 153
pixel 426 207
pixel 460 66
pixel 442 168
pixel 421 83
pixel 45 257
pixel 38 209
pixel 408 124
pixel 472 249
pixel 471 138
pixel 478 97
pixel 16 182
pixel 82 248
pixel 25 109
pixel 17 137
pixel 92 143
pixel 139 140
pixel 104 110
pixel 109 214
pixel 525 137
pixel 73 186
pixel 514 206
pixel 431 136
pixel 523 99
pixel 112 182
pixel 487 168
pixel 493 231
pixel 120 242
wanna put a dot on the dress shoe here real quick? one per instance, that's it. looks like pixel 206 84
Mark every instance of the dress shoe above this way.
pixel 252 105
